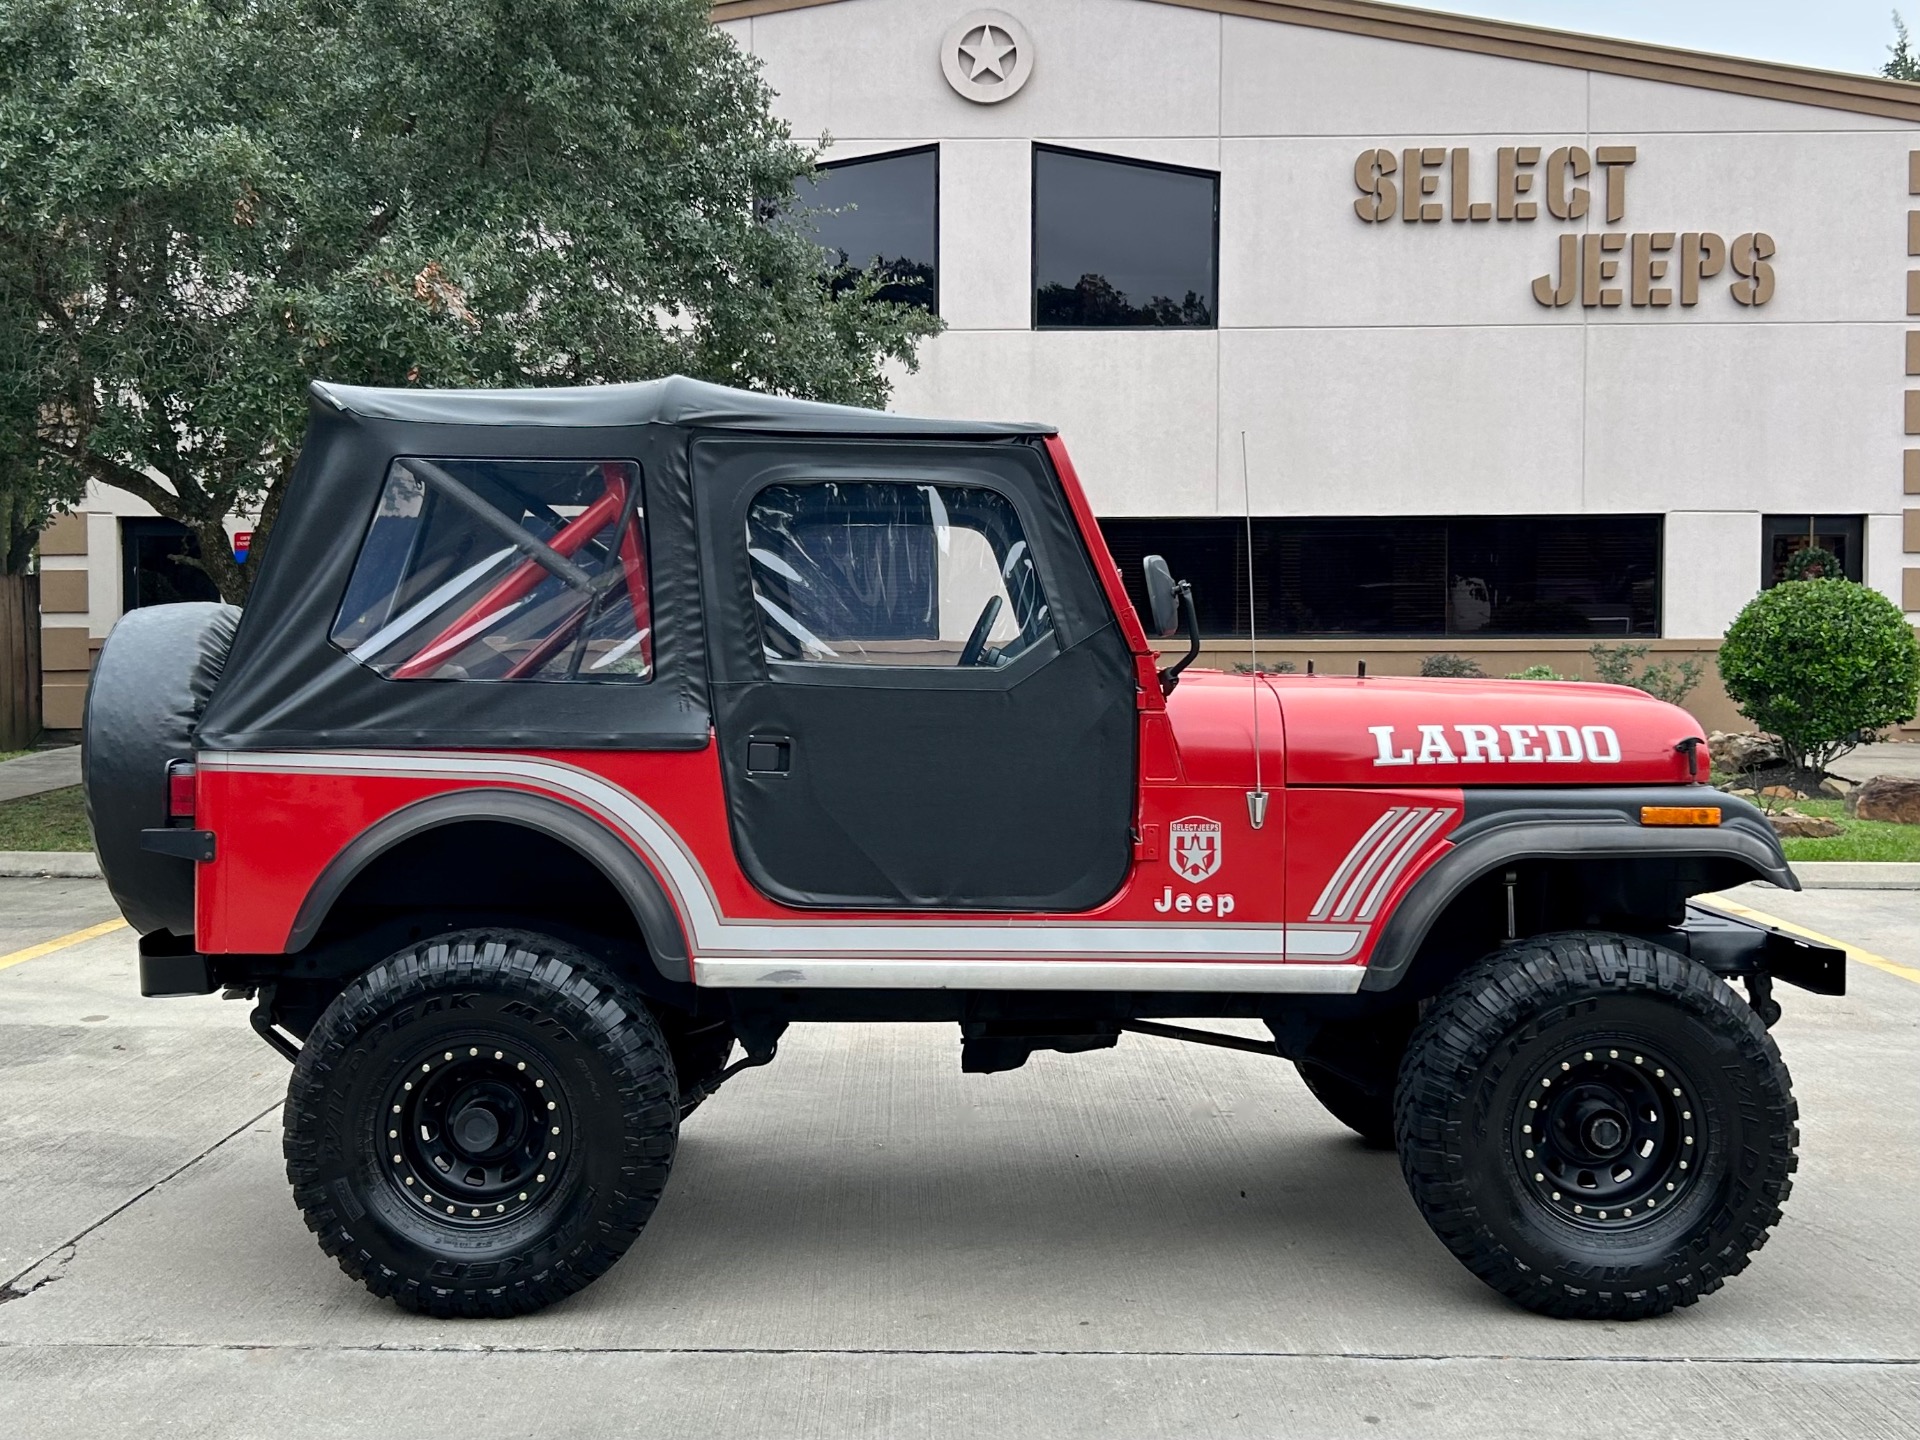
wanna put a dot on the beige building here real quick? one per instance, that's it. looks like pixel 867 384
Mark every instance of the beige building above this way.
pixel 1463 336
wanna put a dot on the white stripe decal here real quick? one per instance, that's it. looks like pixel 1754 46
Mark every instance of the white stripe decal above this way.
pixel 1360 848
pixel 1350 897
pixel 1391 874
pixel 718 940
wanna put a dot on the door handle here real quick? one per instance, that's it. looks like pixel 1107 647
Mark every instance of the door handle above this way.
pixel 769 755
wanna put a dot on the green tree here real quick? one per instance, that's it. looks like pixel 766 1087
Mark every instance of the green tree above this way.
pixel 1902 63
pixel 1823 664
pixel 209 202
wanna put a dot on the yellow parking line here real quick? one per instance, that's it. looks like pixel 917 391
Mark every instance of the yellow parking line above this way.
pixel 1854 952
pixel 94 932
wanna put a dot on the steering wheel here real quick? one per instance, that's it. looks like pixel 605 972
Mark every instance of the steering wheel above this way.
pixel 977 642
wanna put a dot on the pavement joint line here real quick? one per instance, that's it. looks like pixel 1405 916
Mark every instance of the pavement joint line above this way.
pixel 1891 1362
pixel 129 1203
pixel 1854 952
pixel 48 947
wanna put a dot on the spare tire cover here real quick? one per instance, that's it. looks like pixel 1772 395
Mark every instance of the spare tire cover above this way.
pixel 152 680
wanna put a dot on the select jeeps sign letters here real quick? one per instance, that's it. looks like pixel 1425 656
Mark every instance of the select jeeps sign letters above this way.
pixel 1650 268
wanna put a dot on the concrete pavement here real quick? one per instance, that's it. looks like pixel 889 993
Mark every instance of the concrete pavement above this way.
pixel 39 772
pixel 1154 1240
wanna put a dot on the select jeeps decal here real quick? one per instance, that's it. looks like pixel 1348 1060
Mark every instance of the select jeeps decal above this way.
pixel 1194 848
pixel 1499 745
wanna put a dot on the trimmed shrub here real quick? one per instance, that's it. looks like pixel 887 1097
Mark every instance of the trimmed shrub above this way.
pixel 1537 672
pixel 1451 667
pixel 1664 680
pixel 1823 664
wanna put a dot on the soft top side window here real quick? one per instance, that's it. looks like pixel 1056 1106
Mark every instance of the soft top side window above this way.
pixel 879 572
pixel 503 570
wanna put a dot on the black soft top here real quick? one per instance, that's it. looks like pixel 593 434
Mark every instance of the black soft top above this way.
pixel 286 685
pixel 676 400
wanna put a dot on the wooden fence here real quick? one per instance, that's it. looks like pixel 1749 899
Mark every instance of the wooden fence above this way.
pixel 19 661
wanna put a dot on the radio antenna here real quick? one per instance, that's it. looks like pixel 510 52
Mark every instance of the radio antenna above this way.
pixel 1256 797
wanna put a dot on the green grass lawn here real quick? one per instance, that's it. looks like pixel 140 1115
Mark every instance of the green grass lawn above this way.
pixel 56 820
pixel 13 754
pixel 1864 840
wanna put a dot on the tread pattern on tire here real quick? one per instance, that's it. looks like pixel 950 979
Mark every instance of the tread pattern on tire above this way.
pixel 554 978
pixel 1519 986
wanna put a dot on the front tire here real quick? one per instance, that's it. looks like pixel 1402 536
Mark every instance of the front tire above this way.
pixel 1596 1127
pixel 481 1124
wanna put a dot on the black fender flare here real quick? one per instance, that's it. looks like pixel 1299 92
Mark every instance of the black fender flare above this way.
pixel 653 909
pixel 1503 827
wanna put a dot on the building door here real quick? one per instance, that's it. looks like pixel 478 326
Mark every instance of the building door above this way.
pixel 921 697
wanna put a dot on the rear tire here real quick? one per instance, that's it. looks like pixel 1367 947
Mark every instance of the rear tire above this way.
pixel 481 1124
pixel 1369 1114
pixel 1596 1127
pixel 700 1050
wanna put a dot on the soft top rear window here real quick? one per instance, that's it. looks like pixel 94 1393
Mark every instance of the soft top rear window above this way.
pixel 503 570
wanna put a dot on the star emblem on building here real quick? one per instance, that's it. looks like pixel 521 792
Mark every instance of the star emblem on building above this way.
pixel 987 56
pixel 989 53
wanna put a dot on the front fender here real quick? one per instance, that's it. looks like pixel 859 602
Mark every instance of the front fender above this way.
pixel 1502 827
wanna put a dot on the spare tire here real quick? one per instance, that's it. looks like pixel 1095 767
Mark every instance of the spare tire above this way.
pixel 150 685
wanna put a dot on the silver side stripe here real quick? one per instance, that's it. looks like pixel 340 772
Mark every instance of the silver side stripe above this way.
pixel 720 941
pixel 1190 976
pixel 1377 860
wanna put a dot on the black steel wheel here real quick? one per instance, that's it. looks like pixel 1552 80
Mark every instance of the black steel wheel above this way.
pixel 1596 1127
pixel 481 1124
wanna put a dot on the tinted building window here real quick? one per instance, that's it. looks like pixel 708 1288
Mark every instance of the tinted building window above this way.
pixel 1123 243
pixel 1487 576
pixel 886 221
pixel 1784 536
pixel 155 568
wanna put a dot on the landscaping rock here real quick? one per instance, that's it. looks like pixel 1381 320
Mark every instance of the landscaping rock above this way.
pixel 1740 753
pixel 1781 792
pixel 1745 792
pixel 1834 786
pixel 1804 827
pixel 1887 797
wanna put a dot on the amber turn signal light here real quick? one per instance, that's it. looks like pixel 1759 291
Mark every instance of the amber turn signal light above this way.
pixel 1679 814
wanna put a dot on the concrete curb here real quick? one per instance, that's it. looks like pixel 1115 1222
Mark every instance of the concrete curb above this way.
pixel 1858 874
pixel 66 864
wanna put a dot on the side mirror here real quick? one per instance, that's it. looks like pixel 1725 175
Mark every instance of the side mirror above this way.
pixel 1169 602
pixel 1163 603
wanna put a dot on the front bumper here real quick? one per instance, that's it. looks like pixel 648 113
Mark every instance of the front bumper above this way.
pixel 1735 947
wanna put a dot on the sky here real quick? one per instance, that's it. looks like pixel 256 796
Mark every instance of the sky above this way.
pixel 1826 34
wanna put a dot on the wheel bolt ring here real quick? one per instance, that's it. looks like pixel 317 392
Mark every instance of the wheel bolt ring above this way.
pixel 474 1132
pixel 1607 1148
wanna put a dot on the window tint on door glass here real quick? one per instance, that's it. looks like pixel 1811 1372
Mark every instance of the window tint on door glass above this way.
pixel 503 570
pixel 890 573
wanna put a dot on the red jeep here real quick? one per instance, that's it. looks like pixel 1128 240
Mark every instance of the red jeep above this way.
pixel 572 738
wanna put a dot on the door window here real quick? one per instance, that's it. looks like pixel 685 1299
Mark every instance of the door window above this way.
pixel 876 572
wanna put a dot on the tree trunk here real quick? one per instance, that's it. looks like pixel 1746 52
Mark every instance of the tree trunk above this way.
pixel 19 661
pixel 216 558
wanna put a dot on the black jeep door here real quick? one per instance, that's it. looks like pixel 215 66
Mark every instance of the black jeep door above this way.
pixel 921 696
